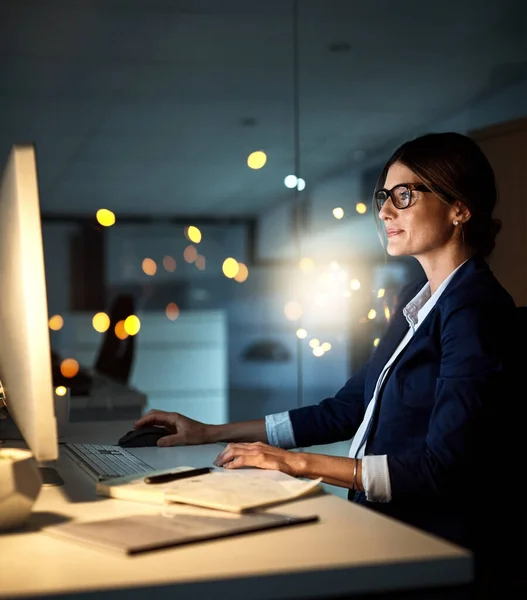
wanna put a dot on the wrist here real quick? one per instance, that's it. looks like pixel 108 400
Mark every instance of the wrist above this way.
pixel 302 464
pixel 211 434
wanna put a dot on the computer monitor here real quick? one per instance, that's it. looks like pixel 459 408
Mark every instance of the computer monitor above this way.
pixel 25 357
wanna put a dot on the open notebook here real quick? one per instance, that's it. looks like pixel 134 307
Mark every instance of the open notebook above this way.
pixel 233 491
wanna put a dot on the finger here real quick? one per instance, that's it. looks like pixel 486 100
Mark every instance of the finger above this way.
pixel 170 440
pixel 236 452
pixel 153 417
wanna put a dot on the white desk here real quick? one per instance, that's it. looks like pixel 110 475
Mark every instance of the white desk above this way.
pixel 352 551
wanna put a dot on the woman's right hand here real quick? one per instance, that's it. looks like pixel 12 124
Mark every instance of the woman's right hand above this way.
pixel 183 430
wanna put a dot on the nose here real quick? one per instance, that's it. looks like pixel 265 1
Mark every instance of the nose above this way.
pixel 386 211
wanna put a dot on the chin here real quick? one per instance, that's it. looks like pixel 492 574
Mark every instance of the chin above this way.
pixel 394 251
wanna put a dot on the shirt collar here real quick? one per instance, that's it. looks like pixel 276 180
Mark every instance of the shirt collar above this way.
pixel 422 303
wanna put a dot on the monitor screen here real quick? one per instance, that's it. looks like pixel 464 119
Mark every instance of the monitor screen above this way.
pixel 25 357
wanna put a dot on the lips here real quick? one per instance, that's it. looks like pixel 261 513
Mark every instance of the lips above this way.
pixel 393 232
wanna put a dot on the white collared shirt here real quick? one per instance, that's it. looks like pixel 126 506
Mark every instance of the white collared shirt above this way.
pixel 375 474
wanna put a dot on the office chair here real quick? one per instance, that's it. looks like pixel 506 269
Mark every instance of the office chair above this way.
pixel 116 356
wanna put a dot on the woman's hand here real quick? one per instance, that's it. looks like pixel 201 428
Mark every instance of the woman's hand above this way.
pixel 262 456
pixel 183 430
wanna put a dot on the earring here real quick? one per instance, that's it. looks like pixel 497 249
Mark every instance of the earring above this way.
pixel 456 222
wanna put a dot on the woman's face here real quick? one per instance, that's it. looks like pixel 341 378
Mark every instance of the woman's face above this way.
pixel 424 228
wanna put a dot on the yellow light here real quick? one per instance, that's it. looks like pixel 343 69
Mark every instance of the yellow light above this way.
pixel 361 208
pixel 387 313
pixel 326 346
pixel 60 390
pixel 256 160
pixel 318 351
pixel 355 284
pixel 105 217
pixel 120 331
pixel 56 322
pixel 149 266
pixel 230 267
pixel 101 322
pixel 372 314
pixel 306 264
pixel 338 212
pixel 132 325
pixel 301 333
pixel 376 342
pixel 242 274
pixel 314 342
pixel 69 367
pixel 380 293
pixel 293 310
pixel 193 234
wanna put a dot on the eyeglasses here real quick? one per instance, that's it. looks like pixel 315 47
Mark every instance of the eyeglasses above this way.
pixel 401 195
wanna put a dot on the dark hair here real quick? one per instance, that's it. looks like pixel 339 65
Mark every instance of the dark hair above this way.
pixel 455 168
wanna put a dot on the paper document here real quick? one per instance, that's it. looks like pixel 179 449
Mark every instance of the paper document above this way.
pixel 241 490
pixel 233 491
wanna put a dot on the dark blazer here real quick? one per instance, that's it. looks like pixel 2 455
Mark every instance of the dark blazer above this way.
pixel 441 411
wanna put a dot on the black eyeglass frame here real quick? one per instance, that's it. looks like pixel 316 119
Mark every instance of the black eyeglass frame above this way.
pixel 418 187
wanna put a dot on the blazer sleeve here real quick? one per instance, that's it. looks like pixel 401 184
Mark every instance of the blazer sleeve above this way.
pixel 334 419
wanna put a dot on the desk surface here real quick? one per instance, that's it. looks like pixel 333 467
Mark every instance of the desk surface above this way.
pixel 351 551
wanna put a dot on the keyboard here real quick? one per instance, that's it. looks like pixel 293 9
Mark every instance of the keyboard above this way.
pixel 101 461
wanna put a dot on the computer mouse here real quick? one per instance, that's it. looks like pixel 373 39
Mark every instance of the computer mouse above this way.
pixel 142 436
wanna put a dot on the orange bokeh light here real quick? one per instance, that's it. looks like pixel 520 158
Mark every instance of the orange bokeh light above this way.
pixel 69 367
pixel 120 331
pixel 172 311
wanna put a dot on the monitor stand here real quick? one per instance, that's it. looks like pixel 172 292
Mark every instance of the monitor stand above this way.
pixel 50 476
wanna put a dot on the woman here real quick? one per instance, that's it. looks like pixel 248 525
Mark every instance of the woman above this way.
pixel 426 413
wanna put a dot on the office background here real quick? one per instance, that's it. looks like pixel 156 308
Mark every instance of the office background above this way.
pixel 237 144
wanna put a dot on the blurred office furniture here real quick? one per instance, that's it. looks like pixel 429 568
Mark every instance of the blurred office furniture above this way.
pixel 178 365
pixel 116 355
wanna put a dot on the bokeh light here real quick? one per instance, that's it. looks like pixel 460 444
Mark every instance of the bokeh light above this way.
pixel 149 266
pixel 242 274
pixel 306 264
pixel 193 234
pixel 132 325
pixel 257 159
pixel 69 367
pixel 190 253
pixel 169 263
pixel 56 322
pixel 101 322
pixel 200 262
pixel 172 311
pixel 293 310
pixel 120 331
pixel 105 217
pixel 230 267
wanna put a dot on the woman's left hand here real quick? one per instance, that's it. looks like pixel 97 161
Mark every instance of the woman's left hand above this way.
pixel 262 456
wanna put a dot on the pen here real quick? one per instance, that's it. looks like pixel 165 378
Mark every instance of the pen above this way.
pixel 164 477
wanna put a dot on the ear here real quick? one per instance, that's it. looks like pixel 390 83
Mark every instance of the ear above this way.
pixel 461 212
